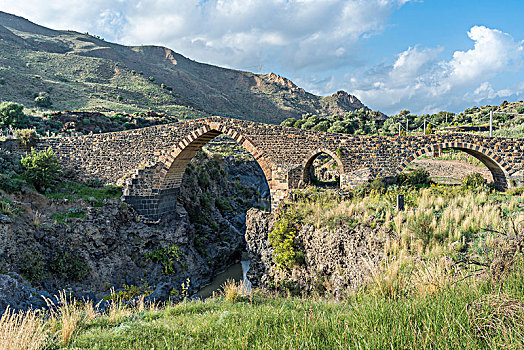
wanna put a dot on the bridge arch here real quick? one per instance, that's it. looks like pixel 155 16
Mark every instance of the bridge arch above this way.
pixel 490 159
pixel 165 178
pixel 175 163
pixel 310 158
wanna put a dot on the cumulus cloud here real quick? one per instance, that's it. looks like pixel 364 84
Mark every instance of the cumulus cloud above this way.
pixel 420 80
pixel 290 35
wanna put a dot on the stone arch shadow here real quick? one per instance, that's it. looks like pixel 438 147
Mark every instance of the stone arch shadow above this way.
pixel 496 165
pixel 310 158
pixel 158 187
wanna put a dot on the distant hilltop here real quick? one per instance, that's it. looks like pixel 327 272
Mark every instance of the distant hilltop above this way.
pixel 84 72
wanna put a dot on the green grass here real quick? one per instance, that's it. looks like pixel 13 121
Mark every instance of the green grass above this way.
pixel 61 218
pixel 441 321
pixel 76 190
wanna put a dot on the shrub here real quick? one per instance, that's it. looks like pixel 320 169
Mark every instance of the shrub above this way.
pixel 43 100
pixel 13 114
pixel 223 204
pixel 420 227
pixel 166 257
pixel 429 129
pixel 281 238
pixel 414 178
pixel 41 168
pixel 9 162
pixel 473 181
pixel 10 183
pixel 27 137
pixel 68 265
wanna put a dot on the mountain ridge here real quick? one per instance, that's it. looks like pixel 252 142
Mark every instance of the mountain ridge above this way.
pixel 84 72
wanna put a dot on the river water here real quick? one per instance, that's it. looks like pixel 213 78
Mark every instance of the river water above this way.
pixel 237 272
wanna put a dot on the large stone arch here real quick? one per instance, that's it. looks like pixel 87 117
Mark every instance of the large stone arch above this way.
pixel 175 163
pixel 496 165
pixel 310 158
pixel 153 191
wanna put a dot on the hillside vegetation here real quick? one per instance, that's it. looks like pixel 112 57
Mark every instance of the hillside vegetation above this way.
pixel 508 121
pixel 74 71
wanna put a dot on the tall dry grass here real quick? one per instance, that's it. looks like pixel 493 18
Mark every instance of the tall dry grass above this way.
pixel 67 316
pixel 233 291
pixel 436 222
pixel 23 331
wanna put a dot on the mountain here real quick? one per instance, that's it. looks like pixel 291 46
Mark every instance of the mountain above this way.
pixel 84 72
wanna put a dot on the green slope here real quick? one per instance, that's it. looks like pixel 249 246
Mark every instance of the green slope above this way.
pixel 83 72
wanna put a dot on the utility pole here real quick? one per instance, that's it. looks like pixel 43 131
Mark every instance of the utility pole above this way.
pixel 407 127
pixel 446 118
pixel 491 123
pixel 424 126
pixel 399 127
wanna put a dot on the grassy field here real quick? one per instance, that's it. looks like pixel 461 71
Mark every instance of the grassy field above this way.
pixel 448 282
pixel 471 314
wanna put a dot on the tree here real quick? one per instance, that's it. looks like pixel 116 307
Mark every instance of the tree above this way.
pixel 322 126
pixel 429 129
pixel 43 100
pixel 13 114
pixel 42 169
pixel 289 122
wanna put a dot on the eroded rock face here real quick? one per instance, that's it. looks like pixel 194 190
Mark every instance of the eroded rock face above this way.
pixel 110 246
pixel 335 260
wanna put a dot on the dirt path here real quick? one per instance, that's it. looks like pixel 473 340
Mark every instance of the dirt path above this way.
pixel 449 171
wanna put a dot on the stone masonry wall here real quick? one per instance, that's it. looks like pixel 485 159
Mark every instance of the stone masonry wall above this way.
pixel 150 162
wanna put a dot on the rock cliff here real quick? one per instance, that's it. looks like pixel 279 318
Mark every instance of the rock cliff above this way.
pixel 335 260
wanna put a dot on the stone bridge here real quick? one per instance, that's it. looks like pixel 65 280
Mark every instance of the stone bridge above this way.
pixel 150 162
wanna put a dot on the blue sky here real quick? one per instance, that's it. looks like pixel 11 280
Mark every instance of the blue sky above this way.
pixel 425 55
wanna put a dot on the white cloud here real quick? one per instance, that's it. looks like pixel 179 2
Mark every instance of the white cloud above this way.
pixel 494 51
pixel 291 35
pixel 418 80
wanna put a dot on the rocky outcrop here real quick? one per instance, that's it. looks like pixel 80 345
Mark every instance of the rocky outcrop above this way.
pixel 335 260
pixel 87 247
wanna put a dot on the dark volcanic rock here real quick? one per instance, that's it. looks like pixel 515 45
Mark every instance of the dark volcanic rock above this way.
pixel 335 260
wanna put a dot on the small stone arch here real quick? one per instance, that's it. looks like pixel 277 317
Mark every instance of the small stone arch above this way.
pixel 496 165
pixel 311 156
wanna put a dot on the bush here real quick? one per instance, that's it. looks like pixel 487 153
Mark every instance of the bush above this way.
pixel 223 204
pixel 414 178
pixel 68 265
pixel 9 163
pixel 429 129
pixel 473 181
pixel 27 137
pixel 43 100
pixel 41 168
pixel 13 114
pixel 10 183
pixel 281 238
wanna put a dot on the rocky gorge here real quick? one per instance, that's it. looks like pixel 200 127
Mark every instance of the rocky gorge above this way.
pixel 91 247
